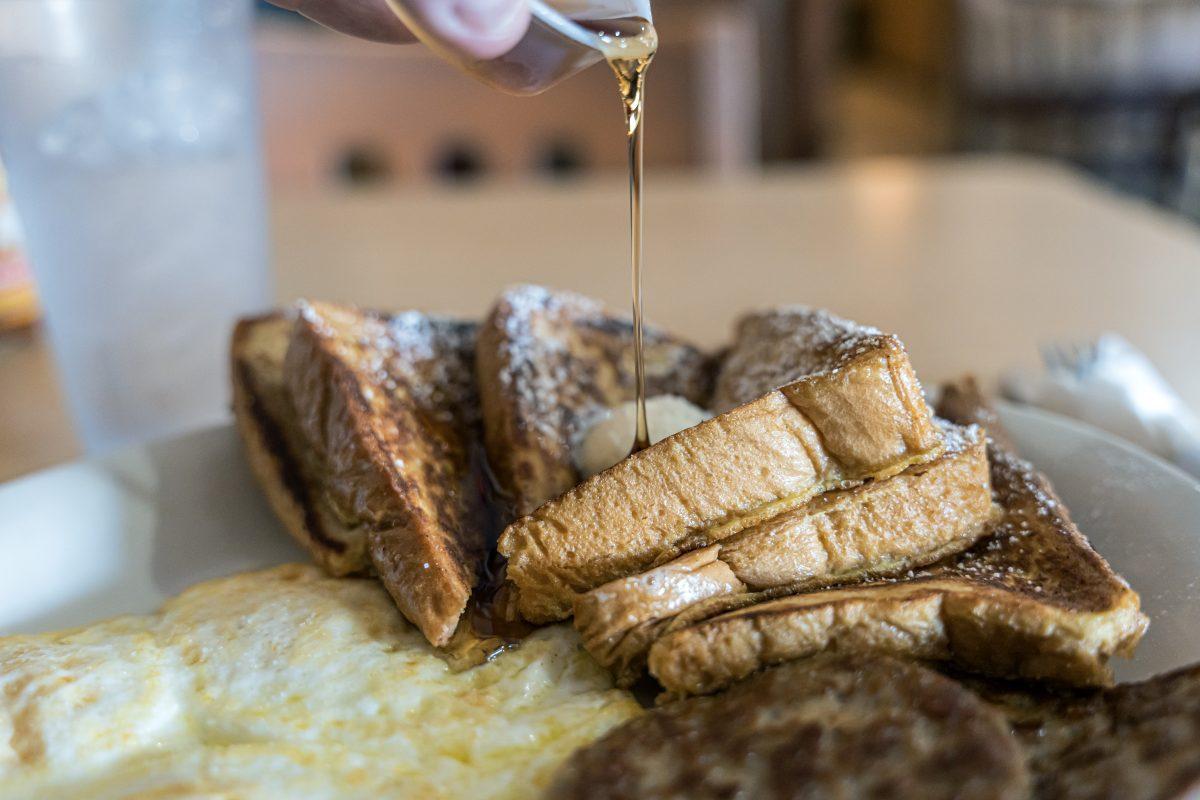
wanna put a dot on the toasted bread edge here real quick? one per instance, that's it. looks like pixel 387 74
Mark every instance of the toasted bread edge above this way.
pixel 279 472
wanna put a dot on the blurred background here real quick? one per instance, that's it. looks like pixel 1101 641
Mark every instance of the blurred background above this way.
pixel 367 147
pixel 1112 86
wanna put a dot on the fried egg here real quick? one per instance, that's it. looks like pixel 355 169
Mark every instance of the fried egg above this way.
pixel 288 683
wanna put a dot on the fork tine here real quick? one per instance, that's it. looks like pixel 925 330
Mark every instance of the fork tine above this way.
pixel 1077 358
pixel 1092 355
pixel 1050 356
pixel 1063 357
pixel 1083 358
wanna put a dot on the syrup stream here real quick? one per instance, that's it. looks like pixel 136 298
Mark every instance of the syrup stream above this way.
pixel 629 44
pixel 631 75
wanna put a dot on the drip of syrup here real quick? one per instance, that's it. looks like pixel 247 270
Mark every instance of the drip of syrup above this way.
pixel 629 44
pixel 491 624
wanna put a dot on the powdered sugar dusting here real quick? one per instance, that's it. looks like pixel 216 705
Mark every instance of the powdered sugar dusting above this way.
pixel 554 347
pixel 438 354
pixel 778 346
pixel 534 359
pixel 1033 550
pixel 958 438
pixel 427 357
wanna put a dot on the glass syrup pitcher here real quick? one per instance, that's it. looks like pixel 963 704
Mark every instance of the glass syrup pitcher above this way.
pixel 564 37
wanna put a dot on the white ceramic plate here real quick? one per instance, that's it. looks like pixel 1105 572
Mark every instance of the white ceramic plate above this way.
pixel 93 539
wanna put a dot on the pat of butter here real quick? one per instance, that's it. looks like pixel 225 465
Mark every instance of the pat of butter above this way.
pixel 610 436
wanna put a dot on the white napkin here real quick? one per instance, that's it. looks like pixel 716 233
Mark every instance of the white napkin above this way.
pixel 1114 387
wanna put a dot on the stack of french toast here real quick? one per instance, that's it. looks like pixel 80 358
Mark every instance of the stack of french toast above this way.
pixel 819 510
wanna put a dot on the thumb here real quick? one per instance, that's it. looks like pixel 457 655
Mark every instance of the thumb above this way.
pixel 482 29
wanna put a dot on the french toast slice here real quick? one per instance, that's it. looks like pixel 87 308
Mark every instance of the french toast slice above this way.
pixel 548 362
pixel 1031 600
pixel 880 528
pixel 1136 741
pixel 849 408
pixel 388 407
pixel 377 465
pixel 276 450
pixel 621 619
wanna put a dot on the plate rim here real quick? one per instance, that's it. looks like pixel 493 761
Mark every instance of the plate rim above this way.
pixel 1099 434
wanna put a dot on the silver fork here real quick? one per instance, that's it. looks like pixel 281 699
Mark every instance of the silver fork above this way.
pixel 1076 358
pixel 1081 360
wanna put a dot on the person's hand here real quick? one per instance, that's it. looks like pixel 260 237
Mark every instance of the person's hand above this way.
pixel 480 28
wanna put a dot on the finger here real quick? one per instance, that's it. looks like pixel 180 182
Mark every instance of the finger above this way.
pixel 482 29
pixel 366 19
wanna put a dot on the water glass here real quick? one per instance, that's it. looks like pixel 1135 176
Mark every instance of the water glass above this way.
pixel 130 133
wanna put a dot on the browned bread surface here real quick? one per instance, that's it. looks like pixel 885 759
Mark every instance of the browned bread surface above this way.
pixel 831 727
pixel 857 413
pixel 275 448
pixel 775 346
pixel 1032 600
pixel 621 619
pixel 964 401
pixel 389 414
pixel 929 511
pixel 1138 741
pixel 548 362
pixel 879 528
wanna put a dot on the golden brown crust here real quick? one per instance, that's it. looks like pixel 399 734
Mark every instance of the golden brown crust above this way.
pixel 860 415
pixel 1033 600
pixel 981 629
pixel 621 619
pixel 273 446
pixel 547 362
pixel 389 414
pixel 877 529
pixel 1037 552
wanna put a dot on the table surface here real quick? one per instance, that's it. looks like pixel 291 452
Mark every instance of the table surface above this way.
pixel 973 262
